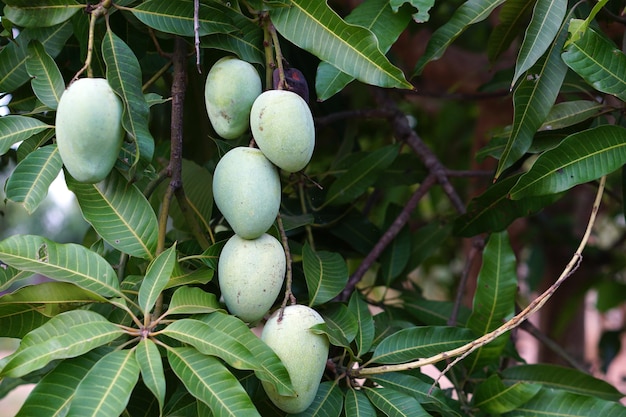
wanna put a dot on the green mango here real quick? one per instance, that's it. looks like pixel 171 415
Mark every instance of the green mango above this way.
pixel 231 87
pixel 246 189
pixel 303 353
pixel 282 126
pixel 251 275
pixel 89 129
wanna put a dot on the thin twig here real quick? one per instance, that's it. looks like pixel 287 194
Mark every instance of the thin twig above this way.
pixel 289 297
pixel 462 352
pixel 196 32
pixel 552 345
pixel 478 243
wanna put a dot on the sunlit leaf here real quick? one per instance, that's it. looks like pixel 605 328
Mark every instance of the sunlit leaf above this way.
pixel 157 276
pixel 547 17
pixel 40 13
pixel 192 300
pixel 211 382
pixel 64 262
pixel 469 13
pixel 326 274
pixel 581 157
pixel 120 214
pixel 599 62
pixel 315 27
pixel 17 128
pixel 106 388
pixel 420 342
pixel 29 182
pixel 47 81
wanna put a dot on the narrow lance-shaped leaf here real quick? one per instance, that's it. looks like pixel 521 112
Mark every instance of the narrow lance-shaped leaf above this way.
pixel 532 101
pixel 192 300
pixel 41 13
pixel 581 157
pixel 177 17
pixel 547 17
pixel 597 60
pixel 53 394
pixel 29 182
pixel 394 403
pixel 211 382
pixel 124 74
pixel 247 43
pixel 357 404
pixel 151 366
pixel 340 325
pixel 315 27
pixel 66 335
pixel 469 13
pixel 513 17
pixel 365 333
pixel 326 274
pixel 64 262
pixel 120 214
pixel 554 402
pixel 328 401
pixel 384 22
pixel 47 81
pixel 493 397
pixel 106 388
pixel 569 113
pixel 14 129
pixel 157 276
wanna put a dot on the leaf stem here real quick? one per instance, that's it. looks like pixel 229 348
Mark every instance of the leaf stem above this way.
pixel 289 298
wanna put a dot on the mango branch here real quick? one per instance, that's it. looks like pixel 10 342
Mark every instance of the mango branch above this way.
pixel 462 352
pixel 94 13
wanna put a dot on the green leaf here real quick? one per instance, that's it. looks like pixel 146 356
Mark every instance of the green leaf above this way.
pixel 420 342
pixel 177 17
pixel 192 300
pixel 198 193
pixel 124 75
pixel 493 211
pixel 106 388
pixel 29 182
pixel 350 48
pixel 157 276
pixel 340 325
pixel 394 403
pixel 547 18
pixel 53 394
pixel 67 262
pixel 11 277
pixel 513 17
pixel 570 113
pixel 211 382
pixel 267 365
pixel 42 13
pixel 426 240
pixel 493 397
pixel 428 395
pixel 365 330
pixel 598 62
pixel 182 276
pixel 422 6
pixel 50 298
pixel 494 303
pixel 397 254
pixel 581 157
pixel 17 320
pixel 13 56
pixel 151 366
pixel 552 402
pixel 559 377
pixel 66 335
pixel 47 81
pixel 14 129
pixel 386 24
pixel 33 143
pixel 469 13
pixel 328 402
pixel 326 274
pixel 358 405
pixel 245 43
pixel 119 213
pixel 360 175
pixel 532 100
pixel 431 312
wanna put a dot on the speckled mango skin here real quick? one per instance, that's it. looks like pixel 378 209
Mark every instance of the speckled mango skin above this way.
pixel 303 353
pixel 89 129
pixel 282 125
pixel 231 87
pixel 246 189
pixel 251 275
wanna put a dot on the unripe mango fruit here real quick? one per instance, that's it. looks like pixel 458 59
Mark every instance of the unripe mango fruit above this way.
pixel 251 274
pixel 89 129
pixel 282 126
pixel 231 87
pixel 246 189
pixel 303 353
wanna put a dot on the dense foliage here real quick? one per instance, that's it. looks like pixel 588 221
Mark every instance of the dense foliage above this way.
pixel 430 155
